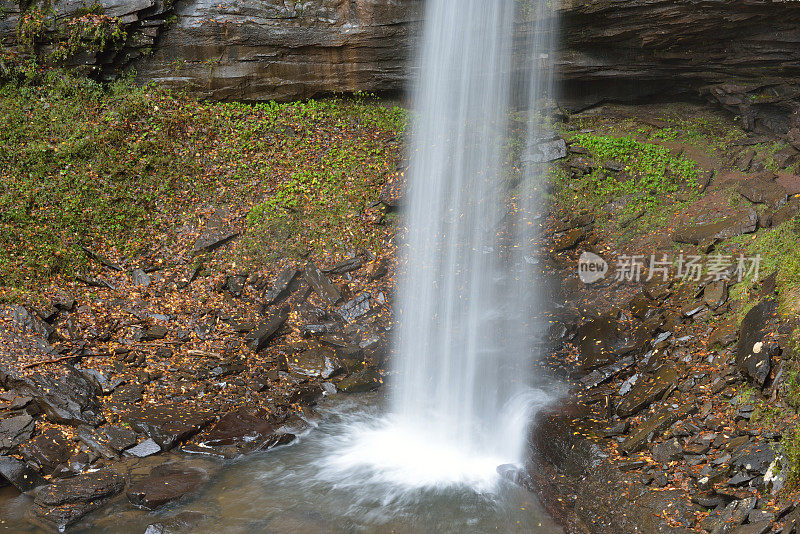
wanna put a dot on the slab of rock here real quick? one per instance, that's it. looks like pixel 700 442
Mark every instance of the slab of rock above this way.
pixel 596 339
pixel 63 394
pixel 20 475
pixel 144 449
pixel 734 515
pixel 140 278
pixel 166 484
pixel 361 381
pixel 167 424
pixel 237 433
pixel 96 442
pixel 724 334
pixel 15 430
pixel 64 502
pixel 715 294
pixel 668 451
pixel 761 190
pixel 213 238
pixel 745 222
pixel 546 151
pixel 393 193
pixel 656 423
pixel 49 449
pixel 26 321
pixel 321 284
pixel 752 354
pixel 346 266
pixel 258 338
pixel 120 438
pixel 282 286
pixel 648 389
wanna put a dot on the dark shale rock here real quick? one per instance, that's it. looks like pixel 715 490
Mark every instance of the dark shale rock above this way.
pixel 63 394
pixel 569 239
pixel 761 190
pixel 120 438
pixel 237 433
pixel 648 389
pixel 355 308
pixel 213 238
pixel 258 338
pixel 319 362
pixel 668 451
pixel 96 442
pixel 364 380
pixel 140 278
pixel 63 503
pixel 321 284
pixel 48 449
pixel 715 294
pixel 168 424
pixel 166 484
pixel 734 515
pixel 14 430
pixel 281 287
pixel 753 353
pixel 724 334
pixel 26 321
pixel 745 222
pixel 19 475
pixel 658 422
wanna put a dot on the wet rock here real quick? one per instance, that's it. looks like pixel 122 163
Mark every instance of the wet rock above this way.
pixel 658 422
pixel 120 438
pixel 63 300
pixel 755 458
pixel 319 362
pixel 164 485
pixel 321 284
pixel 96 442
pixel 355 308
pixel 734 515
pixel 752 353
pixel 102 379
pixel 19 475
pixel 14 430
pixel 745 222
pixel 600 375
pixel 546 151
pixel 237 433
pixel 63 503
pixel 48 449
pixel 582 165
pixel 760 527
pixel 140 278
pixel 360 382
pixel 569 239
pixel 144 449
pixel 648 389
pixel 596 340
pixel 394 191
pixel 260 336
pixel 668 451
pixel 281 287
pixel 168 424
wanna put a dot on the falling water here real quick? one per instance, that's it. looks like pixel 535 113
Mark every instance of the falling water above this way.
pixel 464 388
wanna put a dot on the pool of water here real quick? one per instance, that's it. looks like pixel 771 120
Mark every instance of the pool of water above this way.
pixel 320 485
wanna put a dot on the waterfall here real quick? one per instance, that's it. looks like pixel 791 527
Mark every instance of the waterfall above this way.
pixel 464 356
pixel 464 385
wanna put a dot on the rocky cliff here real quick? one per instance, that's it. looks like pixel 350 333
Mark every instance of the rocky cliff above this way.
pixel 744 54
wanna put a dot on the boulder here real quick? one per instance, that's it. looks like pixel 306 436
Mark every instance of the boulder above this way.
pixel 15 430
pixel 318 362
pixel 64 502
pixel 281 287
pixel 661 420
pixel 355 308
pixel 166 484
pixel 237 433
pixel 20 475
pixel 49 449
pixel 753 352
pixel 361 381
pixel 761 190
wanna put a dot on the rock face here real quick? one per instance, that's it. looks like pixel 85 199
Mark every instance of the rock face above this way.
pixel 742 54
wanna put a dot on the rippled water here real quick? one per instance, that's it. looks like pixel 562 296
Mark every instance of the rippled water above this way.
pixel 326 483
